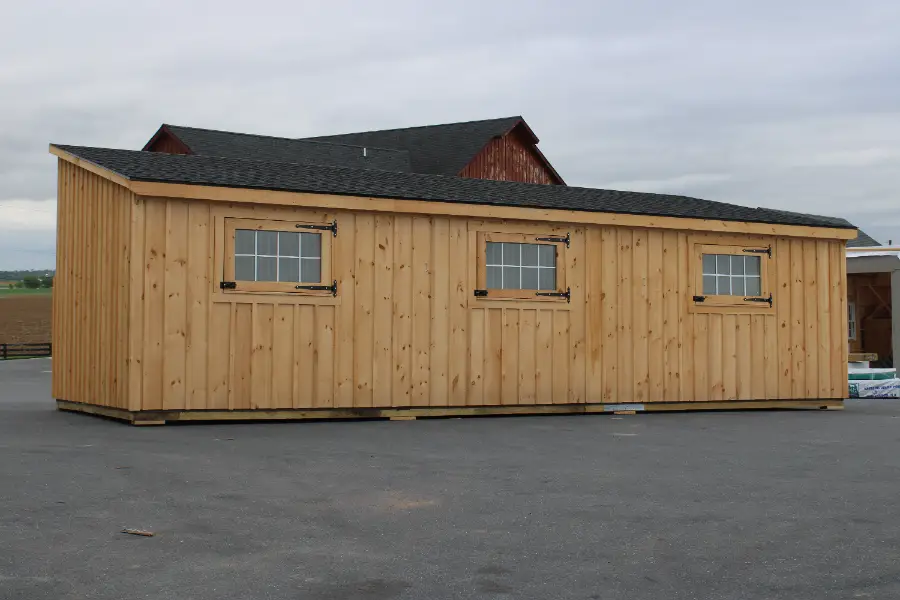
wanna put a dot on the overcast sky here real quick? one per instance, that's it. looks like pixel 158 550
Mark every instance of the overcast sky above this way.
pixel 793 104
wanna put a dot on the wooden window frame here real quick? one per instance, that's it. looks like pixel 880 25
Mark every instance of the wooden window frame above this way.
pixel 483 237
pixel 729 304
pixel 276 287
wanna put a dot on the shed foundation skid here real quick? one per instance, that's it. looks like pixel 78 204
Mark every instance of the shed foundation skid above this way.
pixel 411 414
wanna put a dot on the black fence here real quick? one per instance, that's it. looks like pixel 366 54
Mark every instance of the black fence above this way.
pixel 10 351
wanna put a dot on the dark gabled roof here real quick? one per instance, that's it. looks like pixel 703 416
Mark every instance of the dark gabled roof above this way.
pixel 254 174
pixel 210 142
pixel 863 240
pixel 434 149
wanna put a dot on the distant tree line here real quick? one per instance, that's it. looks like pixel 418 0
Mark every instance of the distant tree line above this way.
pixel 27 279
pixel 20 275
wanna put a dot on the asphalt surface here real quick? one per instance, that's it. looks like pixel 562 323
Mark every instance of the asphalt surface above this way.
pixel 761 505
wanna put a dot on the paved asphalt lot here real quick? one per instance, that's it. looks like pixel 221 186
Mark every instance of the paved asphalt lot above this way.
pixel 766 505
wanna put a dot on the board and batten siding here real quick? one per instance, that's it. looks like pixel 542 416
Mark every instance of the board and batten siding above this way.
pixel 91 292
pixel 406 331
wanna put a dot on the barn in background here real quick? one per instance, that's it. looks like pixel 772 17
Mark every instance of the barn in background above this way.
pixel 241 277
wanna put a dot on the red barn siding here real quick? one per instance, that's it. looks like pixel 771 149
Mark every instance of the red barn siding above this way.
pixel 510 158
pixel 166 142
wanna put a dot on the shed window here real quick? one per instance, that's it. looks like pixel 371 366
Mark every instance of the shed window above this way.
pixel 521 266
pixel 851 320
pixel 513 266
pixel 277 256
pixel 731 276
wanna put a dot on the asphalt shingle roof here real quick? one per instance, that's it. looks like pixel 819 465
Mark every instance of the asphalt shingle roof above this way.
pixel 210 142
pixel 256 174
pixel 435 149
pixel 863 240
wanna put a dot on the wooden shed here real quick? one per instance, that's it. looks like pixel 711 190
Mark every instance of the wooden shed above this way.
pixel 210 287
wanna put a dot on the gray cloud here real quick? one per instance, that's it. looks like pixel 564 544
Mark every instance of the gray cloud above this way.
pixel 784 104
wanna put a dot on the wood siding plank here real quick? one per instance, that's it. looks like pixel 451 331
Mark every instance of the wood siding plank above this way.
pixel 382 368
pixel 421 304
pixel 783 300
pixel 811 319
pixel 199 263
pixel 641 312
pixel 344 322
pixel 439 366
pixel 561 364
pixel 610 301
pixel 458 312
pixel 798 350
pixel 823 311
pixel 577 335
pixel 402 312
pixel 839 323
pixel 509 357
pixel 284 335
pixel 656 308
pixel 364 323
pixel 625 299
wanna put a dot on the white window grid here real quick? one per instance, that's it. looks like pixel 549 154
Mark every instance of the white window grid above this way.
pixel 278 254
pixel 519 266
pixel 851 320
pixel 731 277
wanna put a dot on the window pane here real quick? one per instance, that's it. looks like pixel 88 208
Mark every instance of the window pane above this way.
pixel 723 264
pixel 547 255
pixel 737 286
pixel 709 264
pixel 265 268
pixel 530 278
pixel 267 242
pixel 753 286
pixel 289 269
pixel 310 270
pixel 530 256
pixel 724 285
pixel 511 254
pixel 288 244
pixel 547 279
pixel 494 278
pixel 709 284
pixel 244 268
pixel 494 254
pixel 311 245
pixel 737 265
pixel 753 265
pixel 244 241
pixel 511 277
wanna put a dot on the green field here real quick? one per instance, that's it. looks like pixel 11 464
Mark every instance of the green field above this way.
pixel 24 291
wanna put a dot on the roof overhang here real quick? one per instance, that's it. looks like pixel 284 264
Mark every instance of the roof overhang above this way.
pixel 873 259
pixel 432 207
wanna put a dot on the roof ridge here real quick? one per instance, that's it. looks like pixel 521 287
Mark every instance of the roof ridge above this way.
pixel 519 117
pixel 276 137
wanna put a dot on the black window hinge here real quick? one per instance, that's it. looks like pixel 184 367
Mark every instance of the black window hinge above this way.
pixel 320 288
pixel 559 240
pixel 566 294
pixel 699 298
pixel 759 251
pixel 760 299
pixel 332 228
pixel 227 285
pixel 480 293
